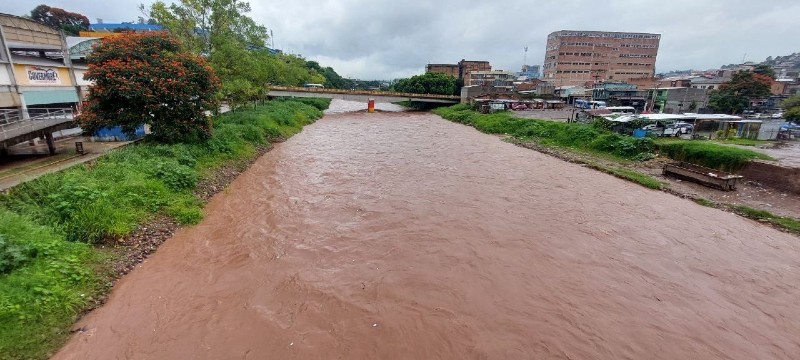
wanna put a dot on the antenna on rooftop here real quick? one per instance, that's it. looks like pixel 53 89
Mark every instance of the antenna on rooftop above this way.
pixel 525 58
pixel 271 37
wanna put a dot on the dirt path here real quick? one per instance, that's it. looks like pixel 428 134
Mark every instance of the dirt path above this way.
pixel 404 236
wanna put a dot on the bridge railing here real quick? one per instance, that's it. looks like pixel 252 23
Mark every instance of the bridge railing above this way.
pixel 8 117
pixel 15 122
pixel 362 92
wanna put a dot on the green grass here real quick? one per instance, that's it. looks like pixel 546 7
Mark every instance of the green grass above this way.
pixel 630 175
pixel 788 223
pixel 40 297
pixel 744 142
pixel 595 139
pixel 48 268
pixel 705 202
pixel 550 133
pixel 709 154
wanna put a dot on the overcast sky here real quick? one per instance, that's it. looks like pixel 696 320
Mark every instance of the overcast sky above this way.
pixel 386 39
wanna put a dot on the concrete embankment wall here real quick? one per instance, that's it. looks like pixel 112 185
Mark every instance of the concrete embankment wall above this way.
pixel 772 175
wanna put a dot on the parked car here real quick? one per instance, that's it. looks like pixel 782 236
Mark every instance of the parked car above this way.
pixel 677 129
pixel 777 115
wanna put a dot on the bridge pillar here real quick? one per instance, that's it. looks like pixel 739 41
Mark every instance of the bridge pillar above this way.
pixel 51 145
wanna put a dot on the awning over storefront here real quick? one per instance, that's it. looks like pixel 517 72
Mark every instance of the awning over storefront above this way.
pixel 50 97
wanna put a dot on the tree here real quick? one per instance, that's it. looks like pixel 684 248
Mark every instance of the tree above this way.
pixel 428 83
pixel 71 23
pixel 791 107
pixel 735 95
pixel 765 70
pixel 203 25
pixel 332 79
pixel 147 79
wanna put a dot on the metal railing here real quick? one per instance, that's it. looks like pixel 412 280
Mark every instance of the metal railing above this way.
pixel 15 122
pixel 362 92
pixel 8 117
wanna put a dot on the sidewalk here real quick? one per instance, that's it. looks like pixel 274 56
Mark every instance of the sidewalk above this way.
pixel 25 169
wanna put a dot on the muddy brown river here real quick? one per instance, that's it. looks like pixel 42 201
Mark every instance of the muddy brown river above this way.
pixel 404 236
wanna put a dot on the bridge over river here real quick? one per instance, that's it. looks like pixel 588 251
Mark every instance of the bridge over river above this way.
pixel 363 96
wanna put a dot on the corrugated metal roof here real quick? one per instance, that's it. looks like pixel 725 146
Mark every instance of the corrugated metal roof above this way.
pixel 112 27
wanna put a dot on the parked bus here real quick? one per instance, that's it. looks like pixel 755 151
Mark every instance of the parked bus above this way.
pixel 586 104
pixel 621 109
pixel 313 86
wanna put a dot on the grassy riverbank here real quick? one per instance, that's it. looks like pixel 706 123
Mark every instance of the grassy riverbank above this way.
pixel 588 138
pixel 49 270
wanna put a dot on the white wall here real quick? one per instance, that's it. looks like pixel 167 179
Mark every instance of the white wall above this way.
pixel 5 78
pixel 79 77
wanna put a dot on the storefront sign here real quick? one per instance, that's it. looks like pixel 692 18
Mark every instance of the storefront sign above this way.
pixel 42 75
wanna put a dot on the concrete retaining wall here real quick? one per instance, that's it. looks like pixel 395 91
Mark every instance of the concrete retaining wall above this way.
pixel 775 176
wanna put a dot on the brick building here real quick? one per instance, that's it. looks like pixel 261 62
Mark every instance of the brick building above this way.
pixel 467 66
pixel 582 58
pixel 461 70
pixel 447 69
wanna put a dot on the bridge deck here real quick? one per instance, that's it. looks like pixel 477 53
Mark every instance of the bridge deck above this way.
pixel 359 95
pixel 15 129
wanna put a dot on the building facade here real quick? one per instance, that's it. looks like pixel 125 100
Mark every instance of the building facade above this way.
pixel 467 66
pixel 490 78
pixel 447 69
pixel 530 71
pixel 586 57
pixel 461 70
pixel 34 73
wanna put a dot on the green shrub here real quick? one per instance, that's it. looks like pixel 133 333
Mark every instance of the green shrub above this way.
pixel 175 175
pixel 720 157
pixel 578 136
pixel 13 255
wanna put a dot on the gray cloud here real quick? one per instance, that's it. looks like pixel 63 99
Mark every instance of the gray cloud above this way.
pixel 385 39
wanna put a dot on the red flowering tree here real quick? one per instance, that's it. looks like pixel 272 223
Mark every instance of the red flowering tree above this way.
pixel 147 79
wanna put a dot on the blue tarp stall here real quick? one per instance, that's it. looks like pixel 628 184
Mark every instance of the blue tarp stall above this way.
pixel 116 134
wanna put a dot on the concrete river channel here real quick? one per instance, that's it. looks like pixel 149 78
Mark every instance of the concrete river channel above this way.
pixel 405 236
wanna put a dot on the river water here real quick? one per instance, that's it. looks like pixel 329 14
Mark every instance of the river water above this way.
pixel 404 236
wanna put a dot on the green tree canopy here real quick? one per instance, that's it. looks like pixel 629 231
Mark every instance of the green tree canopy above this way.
pixel 235 46
pixel 765 70
pixel 428 83
pixel 148 79
pixel 332 79
pixel 791 107
pixel 735 95
pixel 71 23
pixel 203 25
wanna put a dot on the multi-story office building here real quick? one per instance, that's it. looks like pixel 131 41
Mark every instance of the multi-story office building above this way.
pixel 583 58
